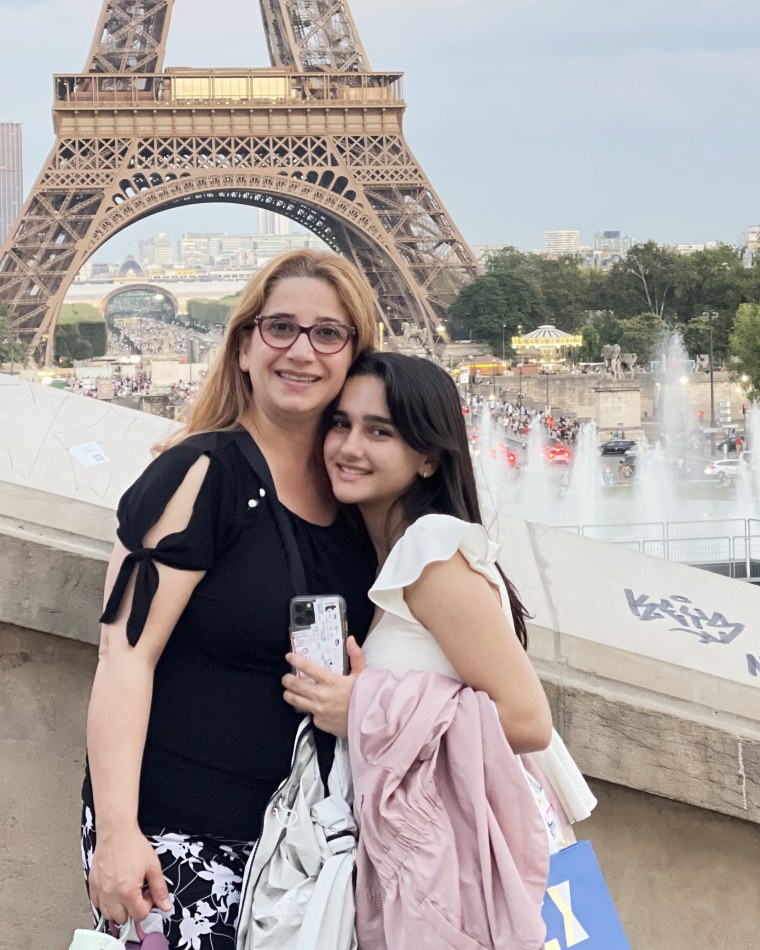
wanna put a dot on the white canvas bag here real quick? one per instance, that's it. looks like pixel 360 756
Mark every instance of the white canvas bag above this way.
pixel 298 885
pixel 96 939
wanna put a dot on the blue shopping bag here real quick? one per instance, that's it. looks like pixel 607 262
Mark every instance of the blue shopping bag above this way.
pixel 578 910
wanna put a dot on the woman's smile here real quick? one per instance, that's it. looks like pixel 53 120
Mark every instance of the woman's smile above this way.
pixel 368 462
pixel 351 472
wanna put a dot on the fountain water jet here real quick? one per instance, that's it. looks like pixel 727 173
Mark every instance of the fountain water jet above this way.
pixel 660 492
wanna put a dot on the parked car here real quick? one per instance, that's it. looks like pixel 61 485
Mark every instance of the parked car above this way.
pixel 513 452
pixel 725 469
pixel 617 446
pixel 557 453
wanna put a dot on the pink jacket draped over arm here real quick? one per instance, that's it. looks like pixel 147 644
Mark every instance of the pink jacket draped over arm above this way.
pixel 453 851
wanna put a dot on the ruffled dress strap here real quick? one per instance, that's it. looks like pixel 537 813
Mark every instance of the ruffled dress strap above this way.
pixel 192 549
pixel 430 539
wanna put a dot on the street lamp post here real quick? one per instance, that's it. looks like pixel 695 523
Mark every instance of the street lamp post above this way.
pixel 503 331
pixel 711 316
pixel 519 373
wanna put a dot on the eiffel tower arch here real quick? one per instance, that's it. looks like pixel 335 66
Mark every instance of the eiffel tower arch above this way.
pixel 317 137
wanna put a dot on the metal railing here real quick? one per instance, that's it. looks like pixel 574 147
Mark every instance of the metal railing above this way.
pixel 728 546
pixel 228 87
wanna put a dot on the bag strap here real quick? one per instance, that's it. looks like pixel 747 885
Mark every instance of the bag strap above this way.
pixel 258 463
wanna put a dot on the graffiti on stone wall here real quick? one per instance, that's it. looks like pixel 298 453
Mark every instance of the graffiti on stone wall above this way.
pixel 708 627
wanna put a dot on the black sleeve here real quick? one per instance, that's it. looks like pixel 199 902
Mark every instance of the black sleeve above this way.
pixel 193 549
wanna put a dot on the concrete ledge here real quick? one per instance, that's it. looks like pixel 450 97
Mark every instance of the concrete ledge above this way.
pixel 660 858
pixel 618 731
pixel 51 584
pixel 655 744
pixel 27 507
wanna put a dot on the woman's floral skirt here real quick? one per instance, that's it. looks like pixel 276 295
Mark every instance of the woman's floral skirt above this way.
pixel 204 876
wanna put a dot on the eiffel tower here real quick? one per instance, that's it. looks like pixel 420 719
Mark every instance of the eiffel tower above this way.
pixel 316 137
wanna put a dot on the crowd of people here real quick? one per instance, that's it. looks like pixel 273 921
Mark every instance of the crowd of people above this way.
pixel 519 420
pixel 146 336
pixel 138 384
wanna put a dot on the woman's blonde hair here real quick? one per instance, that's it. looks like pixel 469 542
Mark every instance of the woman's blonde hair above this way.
pixel 226 393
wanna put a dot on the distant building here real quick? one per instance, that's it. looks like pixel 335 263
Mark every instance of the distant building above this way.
pixel 483 251
pixel 157 250
pixel 221 251
pixel 270 245
pixel 11 177
pixel 594 258
pixel 272 223
pixel 195 249
pixel 749 245
pixel 557 243
pixel 686 249
pixel 101 269
pixel 613 241
pixel 130 268
pixel 216 249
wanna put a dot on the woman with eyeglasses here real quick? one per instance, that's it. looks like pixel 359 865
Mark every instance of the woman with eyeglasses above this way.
pixel 188 734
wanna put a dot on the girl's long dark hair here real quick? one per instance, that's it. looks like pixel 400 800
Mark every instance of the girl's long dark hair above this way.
pixel 425 409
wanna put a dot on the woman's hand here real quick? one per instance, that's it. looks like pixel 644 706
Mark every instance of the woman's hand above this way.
pixel 329 696
pixel 126 880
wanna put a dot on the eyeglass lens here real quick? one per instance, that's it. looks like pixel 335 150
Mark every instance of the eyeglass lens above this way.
pixel 324 337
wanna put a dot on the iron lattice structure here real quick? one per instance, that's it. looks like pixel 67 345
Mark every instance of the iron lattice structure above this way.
pixel 317 137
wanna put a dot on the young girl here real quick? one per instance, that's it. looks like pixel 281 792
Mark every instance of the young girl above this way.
pixel 453 851
pixel 397 450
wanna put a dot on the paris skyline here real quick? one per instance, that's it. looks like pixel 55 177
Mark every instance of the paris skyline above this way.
pixel 571 114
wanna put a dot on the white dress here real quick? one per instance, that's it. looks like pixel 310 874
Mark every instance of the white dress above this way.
pixel 400 643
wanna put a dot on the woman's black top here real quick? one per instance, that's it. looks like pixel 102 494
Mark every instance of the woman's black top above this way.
pixel 220 735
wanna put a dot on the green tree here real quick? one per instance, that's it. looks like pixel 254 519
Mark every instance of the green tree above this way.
pixel 12 350
pixel 592 346
pixel 521 277
pixel 210 312
pixel 610 329
pixel 642 335
pixel 595 290
pixel 563 290
pixel 696 335
pixel 744 347
pixel 752 282
pixel 479 311
pixel 644 282
pixel 80 333
pixel 491 307
pixel 717 280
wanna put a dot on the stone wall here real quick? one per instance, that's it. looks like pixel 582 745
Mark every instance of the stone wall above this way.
pixel 683 878
pixel 576 393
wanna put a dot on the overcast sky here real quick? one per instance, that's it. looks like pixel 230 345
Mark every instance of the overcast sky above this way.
pixel 527 115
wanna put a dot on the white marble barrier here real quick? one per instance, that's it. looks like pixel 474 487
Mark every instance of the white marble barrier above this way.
pixel 72 445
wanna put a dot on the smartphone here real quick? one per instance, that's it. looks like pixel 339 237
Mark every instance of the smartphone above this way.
pixel 318 630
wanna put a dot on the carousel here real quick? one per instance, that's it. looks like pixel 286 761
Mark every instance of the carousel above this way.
pixel 550 349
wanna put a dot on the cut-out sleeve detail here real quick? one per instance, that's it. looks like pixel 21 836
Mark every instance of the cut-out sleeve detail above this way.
pixel 192 549
pixel 432 538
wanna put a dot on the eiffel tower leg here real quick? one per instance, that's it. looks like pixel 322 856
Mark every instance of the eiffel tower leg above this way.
pixel 42 256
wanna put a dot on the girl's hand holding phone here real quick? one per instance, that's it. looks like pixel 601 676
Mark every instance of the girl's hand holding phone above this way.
pixel 328 696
